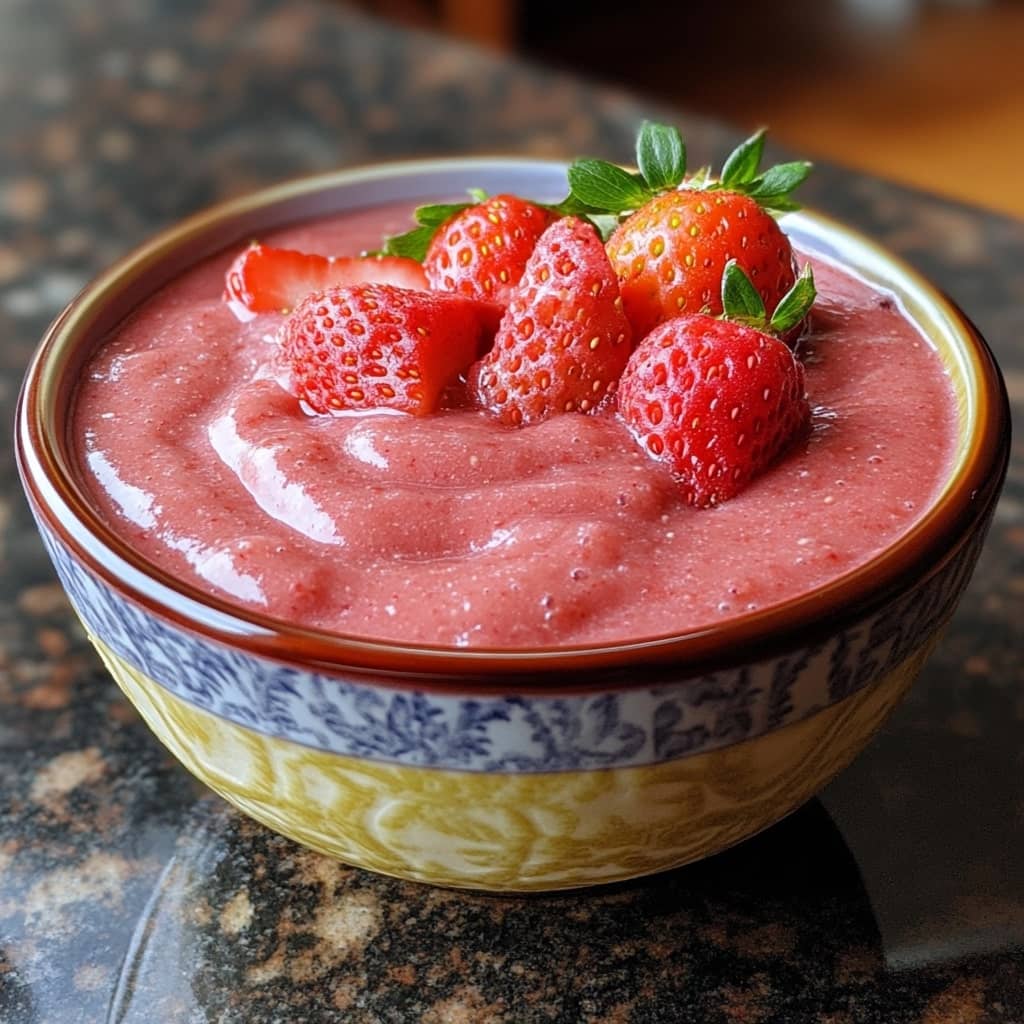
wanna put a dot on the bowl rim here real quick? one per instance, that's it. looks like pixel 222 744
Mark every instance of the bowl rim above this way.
pixel 46 472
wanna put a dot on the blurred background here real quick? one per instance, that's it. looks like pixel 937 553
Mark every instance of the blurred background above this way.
pixel 927 92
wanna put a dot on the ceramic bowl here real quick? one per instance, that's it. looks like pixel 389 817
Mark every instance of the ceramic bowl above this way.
pixel 511 771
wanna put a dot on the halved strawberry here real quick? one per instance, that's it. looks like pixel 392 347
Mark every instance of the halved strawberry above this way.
pixel 372 346
pixel 264 279
pixel 718 400
pixel 564 339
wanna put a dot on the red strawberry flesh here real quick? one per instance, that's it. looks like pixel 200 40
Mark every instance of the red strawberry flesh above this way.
pixel 376 346
pixel 265 279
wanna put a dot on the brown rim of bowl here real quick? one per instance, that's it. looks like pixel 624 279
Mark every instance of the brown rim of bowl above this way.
pixel 46 470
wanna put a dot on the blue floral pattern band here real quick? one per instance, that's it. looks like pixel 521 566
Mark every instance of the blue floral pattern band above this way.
pixel 622 728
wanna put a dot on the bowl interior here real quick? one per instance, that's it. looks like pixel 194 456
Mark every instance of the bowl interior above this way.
pixel 941 323
pixel 48 467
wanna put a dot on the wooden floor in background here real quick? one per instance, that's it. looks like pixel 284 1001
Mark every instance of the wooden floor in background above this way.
pixel 927 92
pixel 931 94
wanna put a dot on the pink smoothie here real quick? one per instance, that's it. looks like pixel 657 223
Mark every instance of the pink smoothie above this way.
pixel 453 530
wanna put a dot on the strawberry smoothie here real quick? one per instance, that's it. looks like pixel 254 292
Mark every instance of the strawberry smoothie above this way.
pixel 453 529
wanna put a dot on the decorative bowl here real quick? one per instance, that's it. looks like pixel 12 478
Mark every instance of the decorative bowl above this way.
pixel 506 770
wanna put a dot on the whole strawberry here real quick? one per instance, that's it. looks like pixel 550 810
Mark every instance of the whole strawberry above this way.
pixel 377 346
pixel 564 340
pixel 478 250
pixel 265 279
pixel 670 254
pixel 671 249
pixel 719 399
pixel 482 251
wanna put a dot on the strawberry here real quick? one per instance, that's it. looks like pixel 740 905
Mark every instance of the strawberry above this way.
pixel 670 254
pixel 564 340
pixel 671 248
pixel 482 251
pixel 475 249
pixel 718 399
pixel 370 346
pixel 264 279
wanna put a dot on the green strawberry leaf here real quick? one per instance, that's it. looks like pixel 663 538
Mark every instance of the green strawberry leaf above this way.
pixel 660 155
pixel 435 215
pixel 478 195
pixel 606 188
pixel 777 204
pixel 742 163
pixel 772 189
pixel 413 244
pixel 779 180
pixel 795 304
pixel 570 206
pixel 741 301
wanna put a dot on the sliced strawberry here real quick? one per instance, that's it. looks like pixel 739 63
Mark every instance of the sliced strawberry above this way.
pixel 718 400
pixel 264 279
pixel 564 339
pixel 372 346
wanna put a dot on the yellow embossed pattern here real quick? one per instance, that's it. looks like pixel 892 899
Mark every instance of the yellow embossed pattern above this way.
pixel 515 832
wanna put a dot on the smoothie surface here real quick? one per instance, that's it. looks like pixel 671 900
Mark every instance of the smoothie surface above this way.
pixel 451 529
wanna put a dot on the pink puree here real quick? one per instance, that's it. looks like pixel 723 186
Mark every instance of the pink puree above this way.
pixel 453 530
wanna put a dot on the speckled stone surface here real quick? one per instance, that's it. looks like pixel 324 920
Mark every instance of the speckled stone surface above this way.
pixel 128 894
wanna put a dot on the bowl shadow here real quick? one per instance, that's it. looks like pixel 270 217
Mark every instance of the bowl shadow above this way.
pixel 243 917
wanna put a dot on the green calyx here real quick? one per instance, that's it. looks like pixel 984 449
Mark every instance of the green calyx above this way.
pixel 606 188
pixel 429 219
pixel 604 193
pixel 742 303
pixel 414 244
pixel 772 189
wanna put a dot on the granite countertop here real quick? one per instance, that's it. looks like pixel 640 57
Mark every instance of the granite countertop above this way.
pixel 127 893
